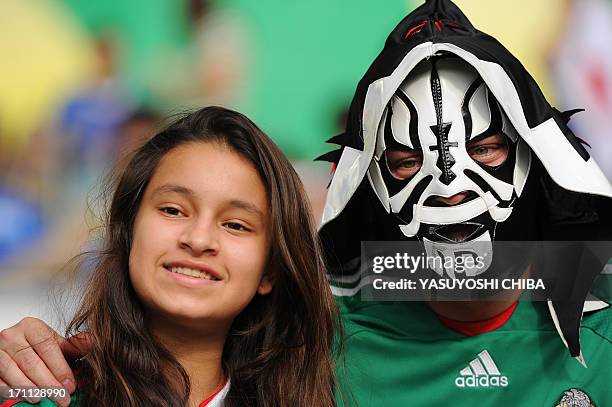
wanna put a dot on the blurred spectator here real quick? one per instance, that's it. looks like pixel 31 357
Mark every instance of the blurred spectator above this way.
pixel 22 224
pixel 213 68
pixel 221 49
pixel 90 120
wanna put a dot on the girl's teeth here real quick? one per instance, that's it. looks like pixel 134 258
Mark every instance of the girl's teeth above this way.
pixel 192 273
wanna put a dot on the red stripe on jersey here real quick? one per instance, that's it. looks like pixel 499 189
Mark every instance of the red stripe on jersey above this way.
pixel 208 400
pixel 478 327
pixel 9 403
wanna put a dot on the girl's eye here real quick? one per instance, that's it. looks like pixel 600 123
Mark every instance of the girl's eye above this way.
pixel 237 226
pixel 169 210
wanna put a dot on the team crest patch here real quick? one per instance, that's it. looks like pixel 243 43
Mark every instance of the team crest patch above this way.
pixel 575 398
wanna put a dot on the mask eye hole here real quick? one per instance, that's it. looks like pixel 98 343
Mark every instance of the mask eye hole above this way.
pixel 491 151
pixel 405 163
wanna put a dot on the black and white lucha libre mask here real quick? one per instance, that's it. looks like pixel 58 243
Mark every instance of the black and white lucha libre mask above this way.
pixel 439 114
pixel 437 85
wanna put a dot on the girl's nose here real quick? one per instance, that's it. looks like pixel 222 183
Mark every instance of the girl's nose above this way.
pixel 200 238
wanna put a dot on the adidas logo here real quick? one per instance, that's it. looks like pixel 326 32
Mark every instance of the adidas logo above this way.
pixel 481 372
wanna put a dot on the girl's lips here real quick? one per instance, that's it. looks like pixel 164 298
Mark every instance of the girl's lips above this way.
pixel 192 268
pixel 189 280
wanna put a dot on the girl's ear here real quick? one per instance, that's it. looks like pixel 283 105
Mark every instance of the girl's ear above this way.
pixel 265 285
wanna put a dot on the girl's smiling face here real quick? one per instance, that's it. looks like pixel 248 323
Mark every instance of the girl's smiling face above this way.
pixel 200 238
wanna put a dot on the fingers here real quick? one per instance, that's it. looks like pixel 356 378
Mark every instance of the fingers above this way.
pixel 13 376
pixel 39 373
pixel 45 355
pixel 76 346
pixel 4 394
pixel 3 390
pixel 33 358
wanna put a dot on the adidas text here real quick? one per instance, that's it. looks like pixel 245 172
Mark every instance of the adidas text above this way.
pixel 482 381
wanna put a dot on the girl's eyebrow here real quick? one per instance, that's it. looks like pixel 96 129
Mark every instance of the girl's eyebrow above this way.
pixel 247 206
pixel 180 189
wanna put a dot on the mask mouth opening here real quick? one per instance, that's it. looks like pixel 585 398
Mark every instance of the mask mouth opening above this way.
pixel 438 202
pixel 457 232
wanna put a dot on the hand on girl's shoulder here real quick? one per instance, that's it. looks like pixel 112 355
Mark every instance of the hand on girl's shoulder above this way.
pixel 77 368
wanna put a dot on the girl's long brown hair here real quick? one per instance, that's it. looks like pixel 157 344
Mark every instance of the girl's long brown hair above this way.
pixel 280 349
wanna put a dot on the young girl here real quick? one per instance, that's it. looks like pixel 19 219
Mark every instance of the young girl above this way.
pixel 210 289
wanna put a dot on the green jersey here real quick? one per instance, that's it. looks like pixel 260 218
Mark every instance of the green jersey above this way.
pixel 42 403
pixel 400 354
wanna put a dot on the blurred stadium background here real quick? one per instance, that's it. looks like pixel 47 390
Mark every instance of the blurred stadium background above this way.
pixel 82 83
